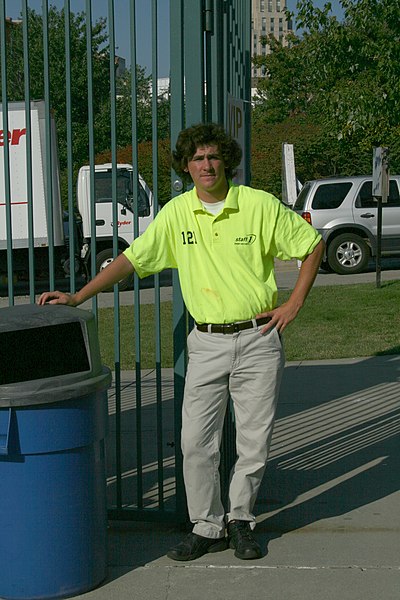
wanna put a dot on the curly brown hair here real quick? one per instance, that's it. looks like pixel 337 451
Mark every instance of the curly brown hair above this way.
pixel 205 134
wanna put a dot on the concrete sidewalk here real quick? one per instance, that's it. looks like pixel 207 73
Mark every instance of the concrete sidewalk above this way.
pixel 328 512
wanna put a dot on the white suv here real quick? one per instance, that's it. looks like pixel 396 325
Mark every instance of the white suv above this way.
pixel 343 210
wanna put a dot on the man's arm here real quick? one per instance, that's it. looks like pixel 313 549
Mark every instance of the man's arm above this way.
pixel 287 312
pixel 118 269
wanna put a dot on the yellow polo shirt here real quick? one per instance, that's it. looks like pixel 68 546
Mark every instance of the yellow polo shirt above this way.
pixel 225 262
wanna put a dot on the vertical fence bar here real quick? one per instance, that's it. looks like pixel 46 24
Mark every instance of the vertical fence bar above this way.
pixel 157 308
pixel 91 148
pixel 48 143
pixel 113 121
pixel 28 125
pixel 7 183
pixel 136 293
pixel 238 50
pixel 194 62
pixel 209 33
pixel 215 58
pixel 70 183
pixel 246 65
pixel 179 312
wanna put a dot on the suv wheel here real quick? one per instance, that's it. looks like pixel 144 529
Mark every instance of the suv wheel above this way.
pixel 348 253
pixel 325 266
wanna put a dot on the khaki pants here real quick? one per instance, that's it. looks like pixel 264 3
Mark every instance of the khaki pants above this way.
pixel 247 366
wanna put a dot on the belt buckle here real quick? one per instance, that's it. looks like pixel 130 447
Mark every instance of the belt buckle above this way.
pixel 231 327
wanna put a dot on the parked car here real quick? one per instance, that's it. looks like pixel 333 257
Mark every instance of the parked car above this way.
pixel 343 210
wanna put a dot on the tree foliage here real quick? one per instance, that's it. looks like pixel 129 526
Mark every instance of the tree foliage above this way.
pixel 100 79
pixel 342 76
pixel 57 72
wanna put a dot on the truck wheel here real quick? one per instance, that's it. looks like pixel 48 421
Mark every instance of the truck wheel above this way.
pixel 103 259
pixel 348 253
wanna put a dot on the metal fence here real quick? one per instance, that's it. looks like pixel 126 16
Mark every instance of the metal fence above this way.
pixel 64 58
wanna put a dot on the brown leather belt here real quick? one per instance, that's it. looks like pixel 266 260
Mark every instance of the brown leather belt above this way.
pixel 231 327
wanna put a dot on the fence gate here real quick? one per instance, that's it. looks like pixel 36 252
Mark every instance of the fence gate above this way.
pixel 90 112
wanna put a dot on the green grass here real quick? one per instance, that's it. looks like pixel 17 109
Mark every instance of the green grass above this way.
pixel 342 321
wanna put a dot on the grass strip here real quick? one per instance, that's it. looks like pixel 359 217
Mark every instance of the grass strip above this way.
pixel 344 321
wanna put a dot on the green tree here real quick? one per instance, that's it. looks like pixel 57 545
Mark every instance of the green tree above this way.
pixel 100 82
pixel 342 76
pixel 142 129
pixel 57 70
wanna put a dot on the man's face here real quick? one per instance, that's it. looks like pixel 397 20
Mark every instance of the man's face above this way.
pixel 207 169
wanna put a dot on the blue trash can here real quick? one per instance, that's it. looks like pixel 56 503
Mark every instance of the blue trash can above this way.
pixel 53 424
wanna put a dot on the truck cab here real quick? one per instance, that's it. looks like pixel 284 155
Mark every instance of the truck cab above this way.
pixel 130 193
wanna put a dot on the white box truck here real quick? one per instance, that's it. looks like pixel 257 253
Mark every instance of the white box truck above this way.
pixel 103 206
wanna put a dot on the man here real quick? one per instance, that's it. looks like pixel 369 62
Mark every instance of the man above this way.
pixel 223 239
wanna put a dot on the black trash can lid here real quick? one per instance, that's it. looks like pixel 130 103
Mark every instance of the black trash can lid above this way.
pixel 48 354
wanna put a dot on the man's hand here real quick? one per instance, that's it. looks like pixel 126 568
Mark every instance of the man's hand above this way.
pixel 57 298
pixel 283 315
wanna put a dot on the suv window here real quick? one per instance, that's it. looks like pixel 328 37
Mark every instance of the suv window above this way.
pixel 365 199
pixel 299 204
pixel 330 195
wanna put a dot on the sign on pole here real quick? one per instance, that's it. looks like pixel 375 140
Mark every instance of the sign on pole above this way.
pixel 289 181
pixel 235 126
pixel 380 173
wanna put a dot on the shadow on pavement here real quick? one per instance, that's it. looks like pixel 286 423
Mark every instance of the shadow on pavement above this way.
pixel 336 443
pixel 335 448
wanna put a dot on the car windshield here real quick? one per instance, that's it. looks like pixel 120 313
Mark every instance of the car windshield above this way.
pixel 103 186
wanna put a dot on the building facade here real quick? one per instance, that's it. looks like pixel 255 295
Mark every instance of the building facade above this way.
pixel 268 17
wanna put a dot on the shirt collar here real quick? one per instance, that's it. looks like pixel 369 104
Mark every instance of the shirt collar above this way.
pixel 231 200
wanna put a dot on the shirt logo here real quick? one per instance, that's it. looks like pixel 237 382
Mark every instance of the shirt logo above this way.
pixel 245 240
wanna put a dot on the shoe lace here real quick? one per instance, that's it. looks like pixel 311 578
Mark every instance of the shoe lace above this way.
pixel 243 530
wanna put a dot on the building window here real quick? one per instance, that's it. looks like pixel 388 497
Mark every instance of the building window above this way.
pixel 278 5
pixel 269 5
pixel 280 24
pixel 264 24
pixel 262 5
pixel 272 25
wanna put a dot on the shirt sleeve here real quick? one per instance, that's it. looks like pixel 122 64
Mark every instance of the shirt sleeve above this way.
pixel 293 236
pixel 153 251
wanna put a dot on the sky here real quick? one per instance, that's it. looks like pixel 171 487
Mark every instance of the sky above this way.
pixel 143 25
